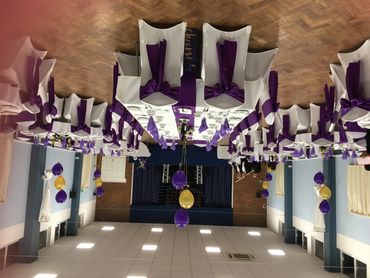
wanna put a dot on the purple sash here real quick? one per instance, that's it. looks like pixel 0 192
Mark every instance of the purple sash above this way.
pixel 271 105
pixel 156 56
pixel 226 54
pixel 353 90
pixel 321 124
pixel 286 135
pixel 247 147
pixel 81 113
pixel 49 107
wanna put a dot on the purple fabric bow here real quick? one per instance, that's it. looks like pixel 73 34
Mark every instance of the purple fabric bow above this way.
pixel 353 90
pixel 81 113
pixel 345 154
pixel 271 105
pixel 286 135
pixel 311 153
pixel 49 107
pixel 156 56
pixel 321 124
pixel 226 62
pixel 163 143
pixel 173 145
pixel 203 125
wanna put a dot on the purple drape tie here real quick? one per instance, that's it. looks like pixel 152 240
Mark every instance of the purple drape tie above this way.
pixel 329 103
pixel 226 62
pixel 25 116
pixel 113 134
pixel 286 135
pixel 117 107
pixel 32 81
pixel 231 147
pixel 321 124
pixel 157 56
pixel 247 147
pixel 271 105
pixel 203 125
pixel 81 113
pixel 353 90
pixel 49 107
pixel 270 135
pixel 354 127
pixel 108 122
pixel 342 132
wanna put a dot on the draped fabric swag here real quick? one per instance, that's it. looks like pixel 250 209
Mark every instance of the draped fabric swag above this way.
pixel 279 174
pixel 6 151
pixel 358 190
pixel 87 164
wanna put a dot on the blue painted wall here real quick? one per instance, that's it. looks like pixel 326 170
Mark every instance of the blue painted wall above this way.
pixel 87 193
pixel 13 211
pixel 275 201
pixel 66 158
pixel 348 224
pixel 304 196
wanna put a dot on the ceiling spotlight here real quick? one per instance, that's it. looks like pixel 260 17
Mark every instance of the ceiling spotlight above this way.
pixel 157 230
pixel 86 245
pixel 107 228
pixel 45 275
pixel 213 249
pixel 149 247
pixel 205 231
pixel 254 233
pixel 276 252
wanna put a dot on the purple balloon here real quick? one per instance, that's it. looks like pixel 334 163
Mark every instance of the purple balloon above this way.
pixel 324 207
pixel 181 219
pixel 57 169
pixel 319 178
pixel 179 180
pixel 97 173
pixel 265 193
pixel 268 177
pixel 61 197
pixel 99 191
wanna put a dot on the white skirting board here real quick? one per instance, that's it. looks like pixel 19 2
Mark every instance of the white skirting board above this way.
pixel 11 234
pixel 274 218
pixel 87 211
pixel 307 227
pixel 356 249
pixel 55 219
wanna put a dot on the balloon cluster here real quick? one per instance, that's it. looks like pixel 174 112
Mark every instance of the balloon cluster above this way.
pixel 265 185
pixel 322 191
pixel 59 183
pixel 98 183
pixel 186 199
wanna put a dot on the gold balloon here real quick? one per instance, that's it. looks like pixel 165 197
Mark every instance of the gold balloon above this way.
pixel 325 192
pixel 59 183
pixel 265 185
pixel 186 199
pixel 98 182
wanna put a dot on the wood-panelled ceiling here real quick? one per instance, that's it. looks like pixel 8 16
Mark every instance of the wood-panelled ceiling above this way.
pixel 83 34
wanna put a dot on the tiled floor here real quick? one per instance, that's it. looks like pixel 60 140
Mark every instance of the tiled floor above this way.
pixel 180 253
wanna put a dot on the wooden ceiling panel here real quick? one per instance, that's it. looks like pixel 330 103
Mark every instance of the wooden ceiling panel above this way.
pixel 83 35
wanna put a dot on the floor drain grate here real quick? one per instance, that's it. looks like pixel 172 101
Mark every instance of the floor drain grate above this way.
pixel 241 257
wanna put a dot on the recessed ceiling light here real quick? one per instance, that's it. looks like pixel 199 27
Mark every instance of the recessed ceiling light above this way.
pixel 254 233
pixel 213 249
pixel 157 230
pixel 107 228
pixel 46 275
pixel 149 247
pixel 276 252
pixel 205 231
pixel 135 276
pixel 85 245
